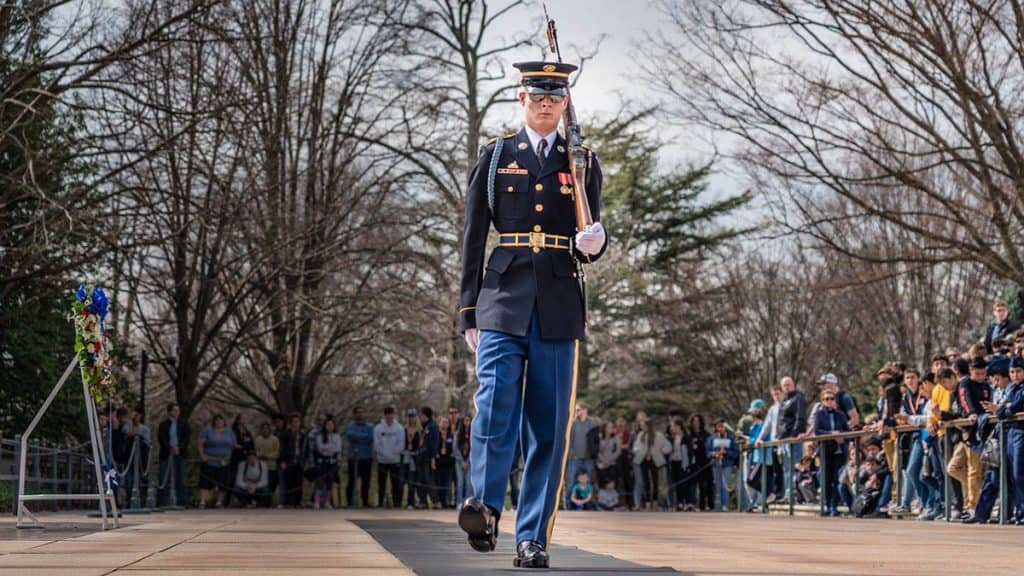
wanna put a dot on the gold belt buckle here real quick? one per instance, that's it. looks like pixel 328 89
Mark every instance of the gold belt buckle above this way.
pixel 537 240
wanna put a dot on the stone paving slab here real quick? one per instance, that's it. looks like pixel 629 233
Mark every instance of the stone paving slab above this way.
pixel 71 547
pixel 107 560
pixel 53 572
pixel 748 544
pixel 291 548
pixel 220 543
pixel 18 545
pixel 282 560
pixel 281 539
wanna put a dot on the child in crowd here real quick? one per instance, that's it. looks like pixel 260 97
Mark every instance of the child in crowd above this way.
pixel 608 497
pixel 807 474
pixel 866 503
pixel 875 454
pixel 582 493
pixel 848 478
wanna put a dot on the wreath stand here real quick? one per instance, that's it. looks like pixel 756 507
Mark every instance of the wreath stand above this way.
pixel 104 496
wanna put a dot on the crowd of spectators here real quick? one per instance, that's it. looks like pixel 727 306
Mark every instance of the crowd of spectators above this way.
pixel 925 426
pixel 784 452
pixel 423 462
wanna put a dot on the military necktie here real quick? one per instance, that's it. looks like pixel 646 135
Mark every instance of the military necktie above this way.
pixel 541 147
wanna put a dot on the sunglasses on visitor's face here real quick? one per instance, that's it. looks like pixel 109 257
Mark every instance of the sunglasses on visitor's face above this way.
pixel 554 98
pixel 829 399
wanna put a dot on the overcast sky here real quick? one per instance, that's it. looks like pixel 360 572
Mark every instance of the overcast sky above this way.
pixel 613 76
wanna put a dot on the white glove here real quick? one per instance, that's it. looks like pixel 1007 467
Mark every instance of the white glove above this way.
pixel 591 241
pixel 473 339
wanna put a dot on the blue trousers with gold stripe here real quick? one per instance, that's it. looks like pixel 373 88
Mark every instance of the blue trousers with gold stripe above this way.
pixel 539 407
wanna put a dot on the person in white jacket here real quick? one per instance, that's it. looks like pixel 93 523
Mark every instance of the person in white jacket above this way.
pixel 649 451
pixel 251 481
pixel 388 444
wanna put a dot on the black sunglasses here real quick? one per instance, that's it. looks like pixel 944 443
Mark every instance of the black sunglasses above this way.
pixel 555 98
pixel 829 398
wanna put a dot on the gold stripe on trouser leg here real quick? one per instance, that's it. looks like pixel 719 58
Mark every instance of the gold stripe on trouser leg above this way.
pixel 568 432
pixel 519 436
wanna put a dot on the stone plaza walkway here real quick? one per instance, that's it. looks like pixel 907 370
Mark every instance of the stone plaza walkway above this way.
pixel 385 543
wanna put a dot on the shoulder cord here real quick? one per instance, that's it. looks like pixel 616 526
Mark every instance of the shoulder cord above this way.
pixel 491 171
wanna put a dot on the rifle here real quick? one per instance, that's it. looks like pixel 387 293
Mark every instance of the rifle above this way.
pixel 579 162
pixel 579 157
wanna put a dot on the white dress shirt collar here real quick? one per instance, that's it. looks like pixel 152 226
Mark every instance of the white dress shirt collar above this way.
pixel 535 139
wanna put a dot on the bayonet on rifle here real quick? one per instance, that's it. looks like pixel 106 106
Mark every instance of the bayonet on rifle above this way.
pixel 579 157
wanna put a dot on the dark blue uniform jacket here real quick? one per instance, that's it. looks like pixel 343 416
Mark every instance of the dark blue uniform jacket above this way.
pixel 502 295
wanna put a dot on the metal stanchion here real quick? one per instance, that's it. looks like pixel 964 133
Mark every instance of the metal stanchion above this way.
pixel 740 482
pixel 20 484
pixel 947 484
pixel 1003 488
pixel 134 502
pixel 54 482
pixel 823 483
pixel 172 468
pixel 765 470
pixel 856 473
pixel 151 493
pixel 792 477
pixel 898 472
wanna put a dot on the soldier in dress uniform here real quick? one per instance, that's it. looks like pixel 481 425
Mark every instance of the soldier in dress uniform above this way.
pixel 524 314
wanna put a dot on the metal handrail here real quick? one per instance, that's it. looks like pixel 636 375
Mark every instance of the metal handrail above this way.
pixel 864 432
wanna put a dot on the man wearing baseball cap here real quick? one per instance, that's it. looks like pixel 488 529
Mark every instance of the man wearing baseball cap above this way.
pixel 844 400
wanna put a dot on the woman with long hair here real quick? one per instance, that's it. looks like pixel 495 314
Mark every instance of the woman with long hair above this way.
pixel 244 443
pixel 445 461
pixel 412 443
pixel 624 474
pixel 608 454
pixel 701 483
pixel 679 461
pixel 328 450
pixel 463 488
pixel 649 451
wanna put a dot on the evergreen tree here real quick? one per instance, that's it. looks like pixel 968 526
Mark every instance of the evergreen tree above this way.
pixel 652 300
pixel 41 246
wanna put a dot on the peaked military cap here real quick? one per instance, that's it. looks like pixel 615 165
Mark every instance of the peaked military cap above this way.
pixel 544 77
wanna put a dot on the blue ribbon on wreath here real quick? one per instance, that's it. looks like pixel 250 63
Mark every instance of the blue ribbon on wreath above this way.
pixel 99 306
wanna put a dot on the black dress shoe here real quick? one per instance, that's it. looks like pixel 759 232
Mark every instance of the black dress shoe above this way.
pixel 530 554
pixel 480 523
pixel 972 519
